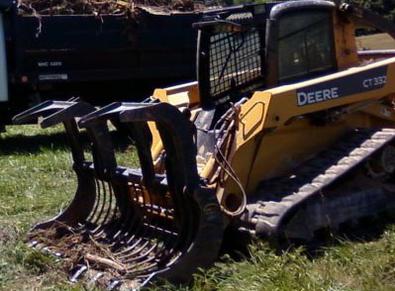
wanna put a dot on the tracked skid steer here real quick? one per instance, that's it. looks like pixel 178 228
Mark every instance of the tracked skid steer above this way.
pixel 289 130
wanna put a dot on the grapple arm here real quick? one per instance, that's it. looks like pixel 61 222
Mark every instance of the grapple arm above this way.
pixel 55 112
pixel 197 220
pixel 153 224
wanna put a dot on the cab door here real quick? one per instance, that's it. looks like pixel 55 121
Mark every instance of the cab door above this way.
pixel 301 42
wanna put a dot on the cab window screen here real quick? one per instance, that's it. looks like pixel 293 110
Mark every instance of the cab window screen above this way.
pixel 305 44
pixel 230 59
pixel 235 59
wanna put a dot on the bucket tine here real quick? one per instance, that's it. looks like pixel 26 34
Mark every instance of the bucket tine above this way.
pixel 181 172
pixel 139 132
pixel 47 108
pixel 52 113
pixel 43 109
pixel 76 110
pixel 97 207
pixel 110 111
pixel 177 233
pixel 55 112
pixel 177 134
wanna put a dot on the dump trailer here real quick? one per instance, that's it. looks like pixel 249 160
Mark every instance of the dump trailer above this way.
pixel 99 57
pixel 287 132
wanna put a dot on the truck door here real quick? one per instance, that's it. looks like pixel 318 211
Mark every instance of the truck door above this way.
pixel 3 64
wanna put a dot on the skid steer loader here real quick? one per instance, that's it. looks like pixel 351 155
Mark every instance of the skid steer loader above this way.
pixel 287 131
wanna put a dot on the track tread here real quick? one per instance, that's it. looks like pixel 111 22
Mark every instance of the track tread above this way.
pixel 311 178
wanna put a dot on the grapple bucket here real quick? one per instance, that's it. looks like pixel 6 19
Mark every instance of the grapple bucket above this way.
pixel 127 226
pixel 51 113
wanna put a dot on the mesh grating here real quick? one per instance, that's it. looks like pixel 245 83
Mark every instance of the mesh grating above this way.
pixel 231 57
pixel 235 59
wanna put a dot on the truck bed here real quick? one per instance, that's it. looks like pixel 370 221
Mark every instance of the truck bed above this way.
pixel 85 48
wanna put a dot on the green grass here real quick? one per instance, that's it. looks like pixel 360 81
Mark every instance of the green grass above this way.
pixel 36 181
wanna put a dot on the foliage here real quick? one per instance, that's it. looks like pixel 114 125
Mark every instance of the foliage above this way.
pixel 382 7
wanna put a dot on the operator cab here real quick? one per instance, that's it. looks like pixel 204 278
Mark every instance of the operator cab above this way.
pixel 254 47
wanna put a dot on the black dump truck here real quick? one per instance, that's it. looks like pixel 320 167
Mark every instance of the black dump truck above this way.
pixel 95 57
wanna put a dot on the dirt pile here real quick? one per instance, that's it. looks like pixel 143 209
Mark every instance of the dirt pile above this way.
pixel 90 7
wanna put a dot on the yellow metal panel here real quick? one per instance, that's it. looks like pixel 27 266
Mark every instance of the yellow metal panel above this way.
pixel 345 44
pixel 191 90
pixel 281 102
pixel 383 112
pixel 275 152
pixel 287 147
pixel 184 95
pixel 269 145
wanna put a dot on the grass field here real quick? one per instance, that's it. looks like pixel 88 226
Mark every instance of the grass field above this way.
pixel 36 182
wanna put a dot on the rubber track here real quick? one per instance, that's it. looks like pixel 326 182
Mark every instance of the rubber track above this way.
pixel 279 199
